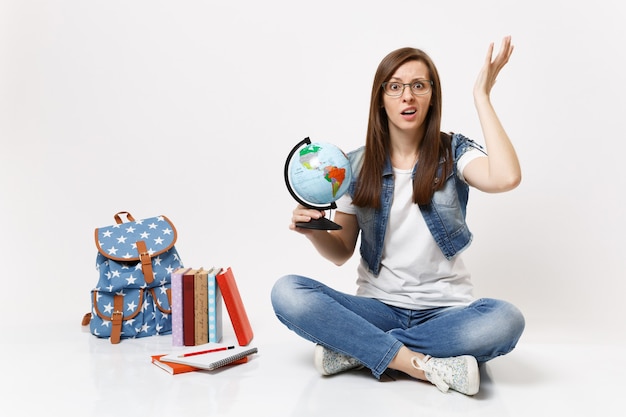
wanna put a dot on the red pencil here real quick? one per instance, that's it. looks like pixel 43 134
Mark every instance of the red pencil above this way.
pixel 202 352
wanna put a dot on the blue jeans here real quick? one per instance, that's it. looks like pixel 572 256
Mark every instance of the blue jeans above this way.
pixel 373 332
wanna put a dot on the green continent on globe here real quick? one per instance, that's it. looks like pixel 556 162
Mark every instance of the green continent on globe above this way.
pixel 309 156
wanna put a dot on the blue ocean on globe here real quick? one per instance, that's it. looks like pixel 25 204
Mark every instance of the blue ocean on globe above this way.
pixel 319 173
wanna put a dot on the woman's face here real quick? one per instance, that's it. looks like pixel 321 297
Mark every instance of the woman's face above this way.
pixel 407 112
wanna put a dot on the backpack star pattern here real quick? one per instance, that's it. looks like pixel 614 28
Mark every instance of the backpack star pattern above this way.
pixel 133 295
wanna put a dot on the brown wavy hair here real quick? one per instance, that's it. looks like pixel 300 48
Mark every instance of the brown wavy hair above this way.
pixel 434 146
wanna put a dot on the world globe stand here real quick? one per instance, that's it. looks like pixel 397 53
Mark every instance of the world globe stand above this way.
pixel 322 223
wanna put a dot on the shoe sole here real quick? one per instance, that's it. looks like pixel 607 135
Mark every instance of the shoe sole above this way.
pixel 473 376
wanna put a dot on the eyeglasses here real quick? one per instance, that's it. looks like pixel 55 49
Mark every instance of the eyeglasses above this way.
pixel 418 88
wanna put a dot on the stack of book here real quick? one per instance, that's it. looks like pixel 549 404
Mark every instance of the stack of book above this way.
pixel 197 320
pixel 197 296
pixel 207 357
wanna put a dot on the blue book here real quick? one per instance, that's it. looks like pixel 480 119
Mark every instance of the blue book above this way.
pixel 214 307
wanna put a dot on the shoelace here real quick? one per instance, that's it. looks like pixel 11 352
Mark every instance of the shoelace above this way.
pixel 432 376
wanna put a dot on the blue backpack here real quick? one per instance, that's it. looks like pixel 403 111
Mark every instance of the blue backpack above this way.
pixel 133 295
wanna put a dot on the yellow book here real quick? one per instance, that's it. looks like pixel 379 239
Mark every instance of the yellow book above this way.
pixel 201 308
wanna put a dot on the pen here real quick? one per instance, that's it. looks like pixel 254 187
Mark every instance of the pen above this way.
pixel 202 352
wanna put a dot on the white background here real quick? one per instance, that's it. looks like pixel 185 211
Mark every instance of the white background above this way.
pixel 189 108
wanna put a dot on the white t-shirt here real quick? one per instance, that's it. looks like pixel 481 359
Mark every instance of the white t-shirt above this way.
pixel 414 272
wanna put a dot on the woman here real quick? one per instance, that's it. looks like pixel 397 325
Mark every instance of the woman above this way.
pixel 414 310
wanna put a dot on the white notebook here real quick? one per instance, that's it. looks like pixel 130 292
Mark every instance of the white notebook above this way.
pixel 209 355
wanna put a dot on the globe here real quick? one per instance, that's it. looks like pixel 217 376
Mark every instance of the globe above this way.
pixel 317 174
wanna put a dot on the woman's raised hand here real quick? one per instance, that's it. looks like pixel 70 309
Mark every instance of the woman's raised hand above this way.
pixel 491 67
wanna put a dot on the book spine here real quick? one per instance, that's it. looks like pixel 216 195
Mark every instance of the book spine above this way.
pixel 214 309
pixel 234 306
pixel 201 315
pixel 188 310
pixel 177 307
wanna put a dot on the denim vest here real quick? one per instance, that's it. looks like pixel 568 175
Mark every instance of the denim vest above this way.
pixel 445 215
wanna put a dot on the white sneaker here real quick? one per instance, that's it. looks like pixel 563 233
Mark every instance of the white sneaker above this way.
pixel 329 362
pixel 459 373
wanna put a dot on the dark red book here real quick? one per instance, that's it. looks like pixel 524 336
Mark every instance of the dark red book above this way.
pixel 234 305
pixel 189 325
